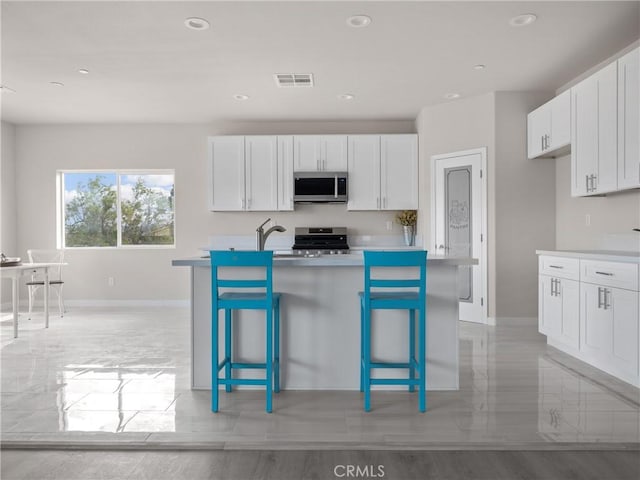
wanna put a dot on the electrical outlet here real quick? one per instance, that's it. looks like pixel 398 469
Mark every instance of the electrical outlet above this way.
pixel 111 281
pixel 587 220
pixel 389 225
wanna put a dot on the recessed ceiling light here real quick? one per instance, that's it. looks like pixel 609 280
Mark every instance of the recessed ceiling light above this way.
pixel 83 71
pixel 57 84
pixel 523 20
pixel 479 67
pixel 196 23
pixel 241 97
pixel 346 96
pixel 451 96
pixel 5 89
pixel 359 21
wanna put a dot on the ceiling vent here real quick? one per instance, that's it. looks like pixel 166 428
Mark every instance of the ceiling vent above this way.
pixel 294 79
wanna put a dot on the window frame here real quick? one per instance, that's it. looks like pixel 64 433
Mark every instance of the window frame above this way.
pixel 118 172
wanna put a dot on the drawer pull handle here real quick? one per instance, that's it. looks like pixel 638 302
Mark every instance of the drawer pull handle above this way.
pixel 605 273
pixel 555 266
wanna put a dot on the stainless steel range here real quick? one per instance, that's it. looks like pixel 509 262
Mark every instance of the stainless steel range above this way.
pixel 323 240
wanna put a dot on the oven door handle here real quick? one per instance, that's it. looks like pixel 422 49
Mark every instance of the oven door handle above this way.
pixel 335 186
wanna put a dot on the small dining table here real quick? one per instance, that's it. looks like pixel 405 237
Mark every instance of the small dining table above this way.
pixel 15 272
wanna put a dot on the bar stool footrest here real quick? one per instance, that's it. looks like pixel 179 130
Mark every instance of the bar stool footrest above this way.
pixel 242 381
pixel 394 381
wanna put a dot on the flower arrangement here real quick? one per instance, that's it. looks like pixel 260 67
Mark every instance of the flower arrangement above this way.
pixel 407 217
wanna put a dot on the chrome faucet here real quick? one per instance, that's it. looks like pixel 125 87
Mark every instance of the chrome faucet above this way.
pixel 261 235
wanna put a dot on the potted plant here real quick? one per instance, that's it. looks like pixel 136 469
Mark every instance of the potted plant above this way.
pixel 408 220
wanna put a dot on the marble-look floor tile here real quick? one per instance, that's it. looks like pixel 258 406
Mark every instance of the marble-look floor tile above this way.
pixel 72 383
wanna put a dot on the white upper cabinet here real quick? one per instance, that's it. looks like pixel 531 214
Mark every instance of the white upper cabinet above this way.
pixel 285 173
pixel 629 120
pixel 383 172
pixel 317 153
pixel 261 173
pixel 399 172
pixel 226 173
pixel 549 127
pixel 243 173
pixel 594 134
pixel 364 172
pixel 560 122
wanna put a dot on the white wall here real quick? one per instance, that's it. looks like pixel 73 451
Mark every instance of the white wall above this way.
pixel 147 274
pixel 450 127
pixel 8 239
pixel 524 206
pixel 520 192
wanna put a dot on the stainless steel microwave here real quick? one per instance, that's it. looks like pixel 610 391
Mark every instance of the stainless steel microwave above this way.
pixel 320 187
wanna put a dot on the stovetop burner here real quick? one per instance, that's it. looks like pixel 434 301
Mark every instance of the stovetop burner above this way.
pixel 323 240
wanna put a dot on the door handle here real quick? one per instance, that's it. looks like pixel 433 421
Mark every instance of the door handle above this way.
pixel 607 298
pixel 586 178
pixel 555 266
pixel 605 273
pixel 542 144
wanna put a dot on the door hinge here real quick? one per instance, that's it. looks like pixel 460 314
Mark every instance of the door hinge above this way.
pixel 482 301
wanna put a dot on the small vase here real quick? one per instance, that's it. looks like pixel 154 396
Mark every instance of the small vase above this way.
pixel 409 235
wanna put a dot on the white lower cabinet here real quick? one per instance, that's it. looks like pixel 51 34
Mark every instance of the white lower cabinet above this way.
pixel 591 317
pixel 610 329
pixel 559 310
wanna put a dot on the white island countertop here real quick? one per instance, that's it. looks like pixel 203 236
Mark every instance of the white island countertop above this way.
pixel 353 259
pixel 320 314
pixel 606 255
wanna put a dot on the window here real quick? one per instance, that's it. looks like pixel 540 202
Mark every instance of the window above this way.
pixel 116 208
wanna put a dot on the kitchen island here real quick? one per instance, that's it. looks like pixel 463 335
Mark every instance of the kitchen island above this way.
pixel 320 329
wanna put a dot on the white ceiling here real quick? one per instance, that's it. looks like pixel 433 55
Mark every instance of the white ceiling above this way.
pixel 145 66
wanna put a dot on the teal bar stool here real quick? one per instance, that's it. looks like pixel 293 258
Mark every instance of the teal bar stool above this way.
pixel 395 296
pixel 236 297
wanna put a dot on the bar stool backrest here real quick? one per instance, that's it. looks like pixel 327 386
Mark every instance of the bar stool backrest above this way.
pixel 413 258
pixel 241 259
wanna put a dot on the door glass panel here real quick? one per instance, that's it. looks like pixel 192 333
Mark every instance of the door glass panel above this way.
pixel 458 231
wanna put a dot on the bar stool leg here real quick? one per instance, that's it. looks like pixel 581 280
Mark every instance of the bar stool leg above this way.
pixel 367 360
pixel 214 360
pixel 276 334
pixel 361 346
pixel 412 347
pixel 227 347
pixel 423 361
pixel 269 359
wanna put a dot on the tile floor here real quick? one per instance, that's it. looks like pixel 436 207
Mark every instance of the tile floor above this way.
pixel 120 377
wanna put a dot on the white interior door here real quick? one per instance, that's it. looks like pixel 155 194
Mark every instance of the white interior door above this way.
pixel 458 229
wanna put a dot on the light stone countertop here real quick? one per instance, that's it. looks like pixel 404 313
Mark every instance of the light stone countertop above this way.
pixel 607 255
pixel 353 259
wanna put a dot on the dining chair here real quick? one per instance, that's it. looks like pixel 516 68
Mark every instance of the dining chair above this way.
pixel 55 275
